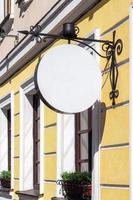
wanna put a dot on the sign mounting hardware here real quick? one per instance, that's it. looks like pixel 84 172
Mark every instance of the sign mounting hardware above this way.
pixel 111 49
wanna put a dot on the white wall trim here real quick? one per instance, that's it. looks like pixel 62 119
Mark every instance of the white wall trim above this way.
pixel 95 151
pixel 2 10
pixel 28 85
pixel 12 9
pixel 5 100
pixel 96 135
pixel 65 146
pixel 26 88
pixel 59 142
pixel 12 139
pixel 21 183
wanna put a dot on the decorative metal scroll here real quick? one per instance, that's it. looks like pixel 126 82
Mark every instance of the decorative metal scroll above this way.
pixel 111 49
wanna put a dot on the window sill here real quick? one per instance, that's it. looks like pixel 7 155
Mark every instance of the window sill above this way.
pixel 35 194
pixel 58 198
pixel 5 192
pixel 3 189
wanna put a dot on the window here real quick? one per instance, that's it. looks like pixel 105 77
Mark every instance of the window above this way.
pixel 36 141
pixel 30 131
pixel 78 139
pixel 6 11
pixel 83 141
pixel 5 133
pixel 7 7
pixel 9 137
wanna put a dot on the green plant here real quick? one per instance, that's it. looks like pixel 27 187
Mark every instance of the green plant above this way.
pixel 5 174
pixel 76 177
pixel 76 185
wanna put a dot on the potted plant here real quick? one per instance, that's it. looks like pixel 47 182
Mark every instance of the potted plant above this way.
pixel 5 179
pixel 76 185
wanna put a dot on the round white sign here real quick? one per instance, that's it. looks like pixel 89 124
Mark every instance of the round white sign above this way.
pixel 68 79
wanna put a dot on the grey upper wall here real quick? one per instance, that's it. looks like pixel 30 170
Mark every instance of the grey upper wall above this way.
pixel 24 14
pixel 14 59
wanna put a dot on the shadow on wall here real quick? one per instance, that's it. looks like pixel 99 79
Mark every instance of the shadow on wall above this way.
pixel 103 118
pixel 91 13
pixel 98 135
pixel 23 6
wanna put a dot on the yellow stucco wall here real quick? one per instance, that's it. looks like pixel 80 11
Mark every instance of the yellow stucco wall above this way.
pixel 115 126
pixel 50 138
pixel 49 132
pixel 113 162
pixel 50 167
pixel 51 190
pixel 114 166
pixel 116 194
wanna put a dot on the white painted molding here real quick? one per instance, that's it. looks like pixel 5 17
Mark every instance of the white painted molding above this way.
pixel 96 118
pixel 95 151
pixel 5 100
pixel 12 141
pixel 2 10
pixel 26 88
pixel 65 146
pixel 5 103
pixel 59 150
pixel 12 9
pixel 21 182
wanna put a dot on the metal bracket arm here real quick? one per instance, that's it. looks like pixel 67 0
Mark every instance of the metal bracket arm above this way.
pixel 70 33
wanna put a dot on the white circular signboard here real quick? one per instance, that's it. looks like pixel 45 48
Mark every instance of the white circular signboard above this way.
pixel 68 79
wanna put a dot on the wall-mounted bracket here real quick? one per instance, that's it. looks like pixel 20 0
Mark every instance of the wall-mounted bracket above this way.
pixel 70 32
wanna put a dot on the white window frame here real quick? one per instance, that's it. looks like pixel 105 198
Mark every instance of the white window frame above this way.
pixel 6 102
pixel 28 88
pixel 62 140
pixel 2 13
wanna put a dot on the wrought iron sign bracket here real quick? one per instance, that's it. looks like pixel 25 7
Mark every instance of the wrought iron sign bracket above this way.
pixel 111 49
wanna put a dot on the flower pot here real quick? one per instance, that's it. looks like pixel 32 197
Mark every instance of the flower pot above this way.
pixel 76 191
pixel 88 191
pixel 5 182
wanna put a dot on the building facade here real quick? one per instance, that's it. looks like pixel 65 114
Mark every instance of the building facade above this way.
pixel 38 144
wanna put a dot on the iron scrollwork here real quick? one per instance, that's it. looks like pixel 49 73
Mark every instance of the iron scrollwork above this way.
pixel 111 49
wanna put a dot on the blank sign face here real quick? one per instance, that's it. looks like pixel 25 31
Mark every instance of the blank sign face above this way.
pixel 68 78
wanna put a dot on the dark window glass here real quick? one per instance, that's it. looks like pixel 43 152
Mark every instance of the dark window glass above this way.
pixel 83 140
pixel 36 141
pixel 9 137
